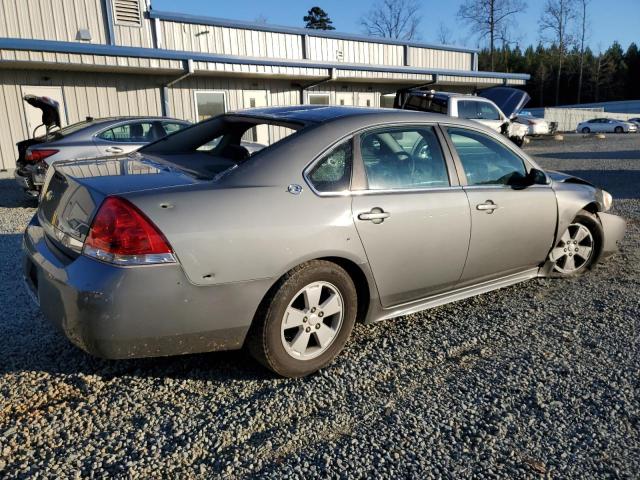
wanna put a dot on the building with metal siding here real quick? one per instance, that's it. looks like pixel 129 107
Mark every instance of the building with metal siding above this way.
pixel 107 58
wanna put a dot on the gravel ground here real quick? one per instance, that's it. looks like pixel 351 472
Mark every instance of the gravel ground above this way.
pixel 539 379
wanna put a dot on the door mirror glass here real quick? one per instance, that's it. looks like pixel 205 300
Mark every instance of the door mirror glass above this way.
pixel 537 177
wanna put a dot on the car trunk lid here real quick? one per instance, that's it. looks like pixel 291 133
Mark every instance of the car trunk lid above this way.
pixel 75 190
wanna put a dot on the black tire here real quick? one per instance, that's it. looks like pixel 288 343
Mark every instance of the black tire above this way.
pixel 519 141
pixel 618 130
pixel 586 130
pixel 264 341
pixel 591 222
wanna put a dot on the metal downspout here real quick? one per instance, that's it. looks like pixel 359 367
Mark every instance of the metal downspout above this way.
pixel 164 92
pixel 333 75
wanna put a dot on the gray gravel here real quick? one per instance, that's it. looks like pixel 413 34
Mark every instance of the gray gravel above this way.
pixel 540 379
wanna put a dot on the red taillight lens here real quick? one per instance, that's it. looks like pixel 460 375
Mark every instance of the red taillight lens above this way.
pixel 122 234
pixel 35 156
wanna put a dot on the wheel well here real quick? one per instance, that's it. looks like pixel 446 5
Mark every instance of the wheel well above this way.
pixel 591 208
pixel 360 282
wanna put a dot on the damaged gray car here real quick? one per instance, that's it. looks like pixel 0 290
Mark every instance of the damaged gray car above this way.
pixel 194 244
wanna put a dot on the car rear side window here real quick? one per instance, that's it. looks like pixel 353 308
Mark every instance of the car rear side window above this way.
pixel 485 160
pixel 172 127
pixel 138 132
pixel 332 173
pixel 403 158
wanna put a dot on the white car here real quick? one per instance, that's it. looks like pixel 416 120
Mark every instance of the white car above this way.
pixel 635 121
pixel 494 107
pixel 606 125
pixel 535 126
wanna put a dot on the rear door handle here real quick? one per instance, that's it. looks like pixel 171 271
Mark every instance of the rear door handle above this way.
pixel 114 150
pixel 488 206
pixel 376 215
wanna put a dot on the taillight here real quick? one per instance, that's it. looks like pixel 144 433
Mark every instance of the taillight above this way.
pixel 123 235
pixel 35 156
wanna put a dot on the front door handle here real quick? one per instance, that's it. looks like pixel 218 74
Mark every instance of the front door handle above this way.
pixel 375 215
pixel 114 150
pixel 488 206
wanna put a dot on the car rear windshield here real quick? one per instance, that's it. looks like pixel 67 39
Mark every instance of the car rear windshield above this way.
pixel 209 148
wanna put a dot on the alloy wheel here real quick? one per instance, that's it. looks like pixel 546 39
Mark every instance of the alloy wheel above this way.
pixel 312 320
pixel 574 250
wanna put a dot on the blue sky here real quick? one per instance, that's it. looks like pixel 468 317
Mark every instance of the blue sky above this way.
pixel 610 19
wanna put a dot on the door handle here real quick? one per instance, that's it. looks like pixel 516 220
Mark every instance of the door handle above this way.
pixel 376 215
pixel 488 206
pixel 114 150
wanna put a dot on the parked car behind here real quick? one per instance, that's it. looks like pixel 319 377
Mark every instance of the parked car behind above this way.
pixel 635 121
pixel 494 107
pixel 357 215
pixel 535 126
pixel 606 125
pixel 86 139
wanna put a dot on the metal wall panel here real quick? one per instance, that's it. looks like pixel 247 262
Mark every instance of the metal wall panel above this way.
pixel 432 58
pixel 229 41
pixel 89 94
pixel 336 50
pixel 52 19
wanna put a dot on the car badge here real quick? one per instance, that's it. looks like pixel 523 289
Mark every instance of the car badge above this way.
pixel 294 189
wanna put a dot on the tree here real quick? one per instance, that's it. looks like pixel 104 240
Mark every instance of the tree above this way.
pixel 393 19
pixel 554 27
pixel 444 34
pixel 489 20
pixel 317 19
pixel 582 8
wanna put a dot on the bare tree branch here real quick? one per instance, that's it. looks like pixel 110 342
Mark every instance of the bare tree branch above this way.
pixel 393 19
pixel 491 19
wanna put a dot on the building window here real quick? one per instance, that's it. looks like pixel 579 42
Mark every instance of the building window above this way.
pixel 318 99
pixel 209 104
pixel 386 101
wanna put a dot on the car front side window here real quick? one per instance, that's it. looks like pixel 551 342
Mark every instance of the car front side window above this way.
pixel 486 111
pixel 138 132
pixel 403 158
pixel 486 161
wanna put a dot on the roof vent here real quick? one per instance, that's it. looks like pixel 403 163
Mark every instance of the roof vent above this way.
pixel 127 12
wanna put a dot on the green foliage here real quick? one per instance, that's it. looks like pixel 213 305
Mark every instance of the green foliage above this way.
pixel 317 19
pixel 611 75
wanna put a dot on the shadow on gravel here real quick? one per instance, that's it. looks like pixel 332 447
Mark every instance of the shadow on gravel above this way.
pixel 11 196
pixel 593 155
pixel 619 183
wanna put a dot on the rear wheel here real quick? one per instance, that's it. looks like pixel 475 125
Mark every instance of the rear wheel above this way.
pixel 618 130
pixel 306 320
pixel 579 246
pixel 586 130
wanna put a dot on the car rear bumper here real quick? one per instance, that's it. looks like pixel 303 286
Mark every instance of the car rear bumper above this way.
pixel 614 228
pixel 130 312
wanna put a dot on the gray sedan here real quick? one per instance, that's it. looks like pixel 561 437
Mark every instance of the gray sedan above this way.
pixel 87 139
pixel 193 244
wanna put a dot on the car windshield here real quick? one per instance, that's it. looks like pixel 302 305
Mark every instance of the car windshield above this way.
pixel 214 146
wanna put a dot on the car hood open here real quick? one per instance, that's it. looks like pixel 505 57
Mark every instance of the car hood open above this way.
pixel 510 100
pixel 50 109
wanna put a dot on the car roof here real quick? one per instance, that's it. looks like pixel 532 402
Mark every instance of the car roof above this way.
pixel 325 113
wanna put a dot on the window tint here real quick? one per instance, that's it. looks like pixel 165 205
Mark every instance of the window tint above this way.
pixel 468 109
pixel 138 132
pixel 486 111
pixel 426 104
pixel 403 158
pixel 485 160
pixel 333 172
pixel 171 127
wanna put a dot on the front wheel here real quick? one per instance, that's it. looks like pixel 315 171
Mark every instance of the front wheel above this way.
pixel 618 130
pixel 586 130
pixel 579 246
pixel 305 321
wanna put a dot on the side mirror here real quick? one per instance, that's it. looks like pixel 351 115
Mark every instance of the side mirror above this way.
pixel 537 177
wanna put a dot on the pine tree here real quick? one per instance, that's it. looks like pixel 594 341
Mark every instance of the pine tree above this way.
pixel 317 19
